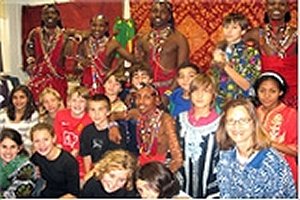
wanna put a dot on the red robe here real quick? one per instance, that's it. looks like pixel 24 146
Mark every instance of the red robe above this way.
pixel 287 67
pixel 47 72
pixel 162 79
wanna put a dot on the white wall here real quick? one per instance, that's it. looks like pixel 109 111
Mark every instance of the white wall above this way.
pixel 10 33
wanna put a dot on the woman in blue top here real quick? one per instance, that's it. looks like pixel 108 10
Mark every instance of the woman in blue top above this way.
pixel 248 168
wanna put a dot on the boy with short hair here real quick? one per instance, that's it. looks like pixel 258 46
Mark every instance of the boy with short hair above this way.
pixel 179 99
pixel 69 123
pixel 94 139
pixel 235 65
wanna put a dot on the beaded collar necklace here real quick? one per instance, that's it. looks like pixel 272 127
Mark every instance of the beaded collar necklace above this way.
pixel 147 131
pixel 158 37
pixel 97 45
pixel 279 42
pixel 49 42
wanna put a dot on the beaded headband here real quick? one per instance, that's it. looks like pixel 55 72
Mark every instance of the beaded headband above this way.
pixel 278 77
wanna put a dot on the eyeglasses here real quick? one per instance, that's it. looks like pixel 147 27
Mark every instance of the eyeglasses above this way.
pixel 242 121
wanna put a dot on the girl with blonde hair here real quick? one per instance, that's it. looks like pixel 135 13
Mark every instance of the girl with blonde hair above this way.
pixel 111 177
pixel 50 103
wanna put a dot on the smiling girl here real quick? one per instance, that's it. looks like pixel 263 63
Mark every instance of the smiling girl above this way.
pixel 112 176
pixel 278 119
pixel 20 114
pixel 17 173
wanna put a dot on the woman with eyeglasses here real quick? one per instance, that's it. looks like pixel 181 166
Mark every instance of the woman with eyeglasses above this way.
pixel 248 167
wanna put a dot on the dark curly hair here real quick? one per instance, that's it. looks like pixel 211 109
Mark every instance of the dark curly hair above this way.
pixel 30 106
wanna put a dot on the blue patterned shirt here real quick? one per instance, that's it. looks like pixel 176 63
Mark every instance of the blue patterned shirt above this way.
pixel 267 175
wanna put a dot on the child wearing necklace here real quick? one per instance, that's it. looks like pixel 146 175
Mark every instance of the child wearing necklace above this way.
pixel 155 130
pixel 197 127
pixel 235 65
pixel 248 167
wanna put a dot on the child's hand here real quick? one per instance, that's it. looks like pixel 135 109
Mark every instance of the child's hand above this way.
pixel 75 152
pixel 115 135
pixel 219 56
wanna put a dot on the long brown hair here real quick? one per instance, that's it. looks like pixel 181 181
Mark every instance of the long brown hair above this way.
pixel 260 139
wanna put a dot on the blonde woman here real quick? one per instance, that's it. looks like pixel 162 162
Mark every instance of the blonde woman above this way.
pixel 50 103
pixel 112 176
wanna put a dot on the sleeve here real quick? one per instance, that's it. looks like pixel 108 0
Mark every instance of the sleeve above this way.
pixel 170 130
pixel 72 175
pixel 85 147
pixel 252 68
pixel 291 128
pixel 287 187
pixel 88 189
pixel 22 184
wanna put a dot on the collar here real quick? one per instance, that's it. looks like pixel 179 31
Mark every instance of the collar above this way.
pixel 256 161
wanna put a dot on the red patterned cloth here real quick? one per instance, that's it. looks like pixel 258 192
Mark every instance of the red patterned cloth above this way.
pixel 47 72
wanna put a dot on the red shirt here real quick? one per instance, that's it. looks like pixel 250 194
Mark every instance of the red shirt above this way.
pixel 68 130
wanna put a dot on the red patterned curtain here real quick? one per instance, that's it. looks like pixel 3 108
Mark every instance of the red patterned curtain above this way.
pixel 201 21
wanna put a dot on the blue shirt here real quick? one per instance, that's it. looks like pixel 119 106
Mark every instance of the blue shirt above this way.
pixel 177 103
pixel 267 175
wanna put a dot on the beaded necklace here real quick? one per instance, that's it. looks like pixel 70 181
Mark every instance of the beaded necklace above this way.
pixel 147 131
pixel 279 42
pixel 49 42
pixel 96 45
pixel 158 37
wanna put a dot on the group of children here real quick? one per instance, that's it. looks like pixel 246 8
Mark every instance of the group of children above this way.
pixel 204 137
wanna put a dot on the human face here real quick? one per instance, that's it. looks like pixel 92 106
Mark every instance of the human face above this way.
pixel 77 105
pixel 185 77
pixel 98 27
pixel 140 77
pixel 51 103
pixel 232 32
pixel 112 86
pixel 159 15
pixel 276 9
pixel 239 126
pixel 43 142
pixel 19 100
pixel 114 180
pixel 50 17
pixel 202 97
pixel 269 93
pixel 146 100
pixel 9 149
pixel 98 111
pixel 145 190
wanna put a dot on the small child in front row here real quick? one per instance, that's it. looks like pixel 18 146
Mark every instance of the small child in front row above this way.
pixel 197 128
pixel 94 139
pixel 235 65
pixel 57 167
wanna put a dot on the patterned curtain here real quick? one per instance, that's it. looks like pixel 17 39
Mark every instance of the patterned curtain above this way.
pixel 201 21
